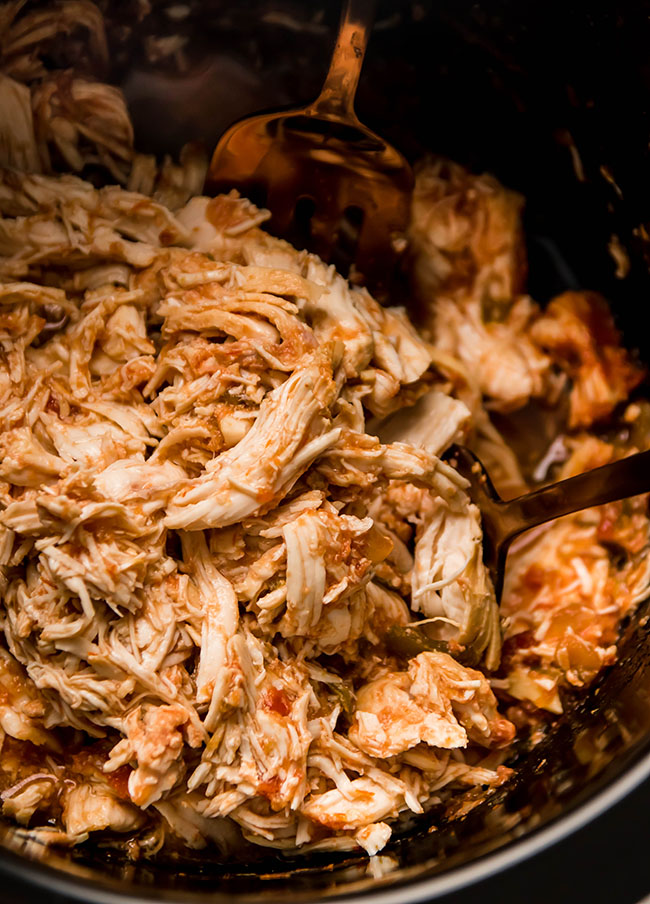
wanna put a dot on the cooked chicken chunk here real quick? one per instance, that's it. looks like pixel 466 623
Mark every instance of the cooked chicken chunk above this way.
pixel 436 702
pixel 90 808
pixel 578 331
pixel 469 265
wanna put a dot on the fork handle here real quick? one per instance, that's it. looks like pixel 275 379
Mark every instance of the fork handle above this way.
pixel 504 520
pixel 620 479
pixel 336 99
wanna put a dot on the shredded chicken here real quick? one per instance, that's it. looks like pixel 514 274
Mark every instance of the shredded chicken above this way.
pixel 436 702
pixel 567 592
pixel 469 268
pixel 578 331
pixel 90 809
pixel 223 486
pixel 208 398
pixel 68 118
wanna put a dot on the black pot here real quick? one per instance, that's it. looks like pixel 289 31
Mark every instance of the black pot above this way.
pixel 551 97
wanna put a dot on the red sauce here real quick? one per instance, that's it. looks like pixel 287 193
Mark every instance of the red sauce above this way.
pixel 276 701
pixel 119 781
pixel 534 578
pixel 271 787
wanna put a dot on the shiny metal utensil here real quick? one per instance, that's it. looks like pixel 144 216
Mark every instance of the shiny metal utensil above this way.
pixel 504 520
pixel 331 184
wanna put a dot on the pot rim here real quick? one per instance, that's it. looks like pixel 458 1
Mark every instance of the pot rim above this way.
pixel 412 891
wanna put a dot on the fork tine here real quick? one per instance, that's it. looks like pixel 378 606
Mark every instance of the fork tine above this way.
pixel 279 159
pixel 346 239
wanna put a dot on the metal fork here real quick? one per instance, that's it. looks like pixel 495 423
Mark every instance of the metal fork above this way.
pixel 332 185
pixel 503 520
